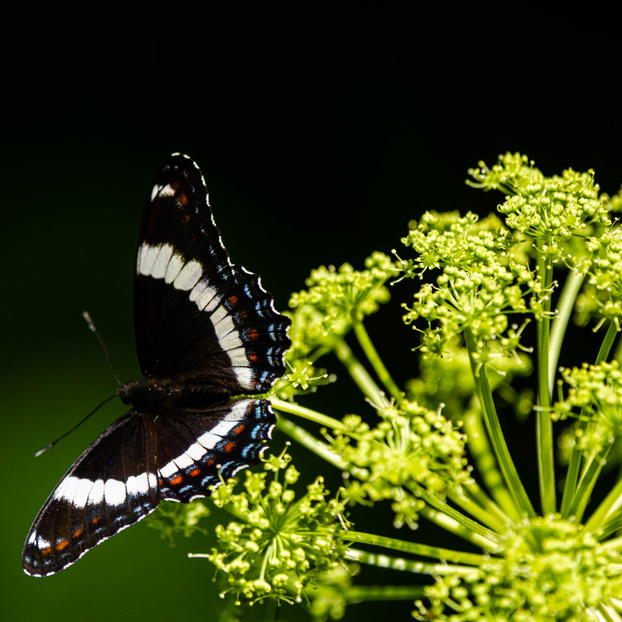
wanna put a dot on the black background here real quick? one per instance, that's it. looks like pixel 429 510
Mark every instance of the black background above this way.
pixel 320 135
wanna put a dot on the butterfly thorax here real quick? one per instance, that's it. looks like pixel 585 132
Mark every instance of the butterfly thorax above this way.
pixel 157 393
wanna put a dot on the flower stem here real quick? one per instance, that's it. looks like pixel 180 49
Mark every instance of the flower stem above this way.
pixel 611 503
pixel 407 565
pixel 416 548
pixel 502 453
pixel 359 374
pixel 487 466
pixel 366 593
pixel 570 487
pixel 307 413
pixel 439 505
pixel 560 323
pixel 453 526
pixel 478 512
pixel 375 360
pixel 544 425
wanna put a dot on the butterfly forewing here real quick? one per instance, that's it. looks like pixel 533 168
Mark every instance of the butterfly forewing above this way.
pixel 198 316
pixel 206 331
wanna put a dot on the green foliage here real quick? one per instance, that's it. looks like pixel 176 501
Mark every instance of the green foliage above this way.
pixel 434 450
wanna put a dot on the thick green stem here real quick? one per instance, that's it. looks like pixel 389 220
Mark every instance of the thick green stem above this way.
pixel 544 425
pixel 570 487
pixel 307 413
pixel 375 360
pixel 366 593
pixel 483 514
pixel 502 453
pixel 453 526
pixel 407 565
pixel 415 548
pixel 474 491
pixel 300 435
pixel 435 502
pixel 487 466
pixel 560 323
pixel 359 374
pixel 611 503
pixel 587 483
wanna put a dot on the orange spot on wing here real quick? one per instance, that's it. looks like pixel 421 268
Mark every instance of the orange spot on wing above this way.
pixel 252 334
pixel 183 198
pixel 62 544
pixel 210 462
pixel 46 551
pixel 160 482
pixel 229 447
pixel 233 300
pixel 239 429
pixel 253 356
pixel 195 472
pixel 96 519
pixel 77 533
pixel 177 480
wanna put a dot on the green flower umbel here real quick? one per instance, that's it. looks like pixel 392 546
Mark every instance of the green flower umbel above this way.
pixel 551 569
pixel 278 544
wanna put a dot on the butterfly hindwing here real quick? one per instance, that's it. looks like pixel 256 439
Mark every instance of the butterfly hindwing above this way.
pixel 111 486
pixel 193 446
pixel 196 315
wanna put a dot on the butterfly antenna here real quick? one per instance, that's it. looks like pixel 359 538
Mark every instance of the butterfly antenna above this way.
pixel 94 328
pixel 42 451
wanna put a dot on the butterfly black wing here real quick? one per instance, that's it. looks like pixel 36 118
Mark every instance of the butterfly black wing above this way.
pixel 138 461
pixel 197 317
pixel 111 486
pixel 205 331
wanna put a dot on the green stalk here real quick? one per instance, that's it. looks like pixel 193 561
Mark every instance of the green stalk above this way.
pixel 374 359
pixel 359 374
pixel 487 466
pixel 307 413
pixel 481 514
pixel 453 526
pixel 366 593
pixel 570 487
pixel 544 425
pixel 611 503
pixel 415 548
pixel 608 613
pixel 304 438
pixel 407 565
pixel 612 525
pixel 587 483
pixel 560 323
pixel 443 507
pixel 474 491
pixel 502 453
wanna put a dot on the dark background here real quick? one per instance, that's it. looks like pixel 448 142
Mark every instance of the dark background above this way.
pixel 319 134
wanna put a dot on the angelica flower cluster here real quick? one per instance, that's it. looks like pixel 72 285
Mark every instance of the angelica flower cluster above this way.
pixel 278 544
pixel 411 449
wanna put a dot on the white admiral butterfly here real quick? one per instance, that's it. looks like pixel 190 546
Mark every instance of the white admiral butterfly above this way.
pixel 206 331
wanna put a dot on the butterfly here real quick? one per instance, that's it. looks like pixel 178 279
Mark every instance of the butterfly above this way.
pixel 207 333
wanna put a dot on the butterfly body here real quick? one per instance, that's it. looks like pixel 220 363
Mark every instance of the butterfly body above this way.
pixel 206 333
